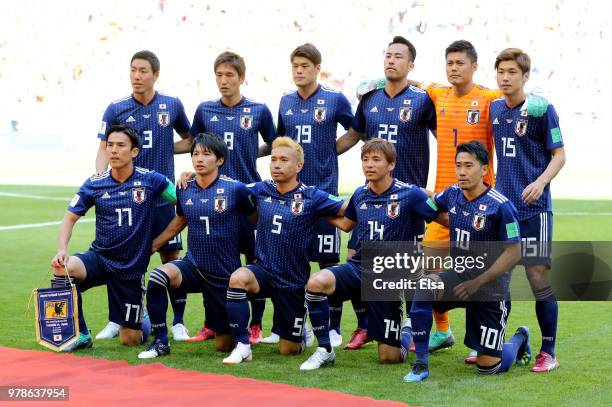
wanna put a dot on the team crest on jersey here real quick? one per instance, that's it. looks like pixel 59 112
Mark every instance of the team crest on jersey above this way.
pixel 473 116
pixel 139 195
pixel 163 118
pixel 520 128
pixel 319 114
pixel 297 206
pixel 479 221
pixel 405 113
pixel 393 209
pixel 220 204
pixel 246 121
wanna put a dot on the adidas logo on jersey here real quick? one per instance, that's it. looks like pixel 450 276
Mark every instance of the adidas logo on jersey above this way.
pixel 495 121
pixel 106 195
pixel 130 119
pixel 189 202
pixel 452 210
pixel 288 112
pixel 363 206
pixel 374 109
pixel 214 119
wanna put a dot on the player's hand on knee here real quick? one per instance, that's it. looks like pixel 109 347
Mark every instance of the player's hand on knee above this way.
pixel 185 177
pixel 466 289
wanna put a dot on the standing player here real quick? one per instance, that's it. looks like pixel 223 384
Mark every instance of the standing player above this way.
pixel 310 115
pixel 401 114
pixel 238 120
pixel 155 116
pixel 477 213
pixel 124 199
pixel 383 210
pixel 212 206
pixel 288 211
pixel 530 154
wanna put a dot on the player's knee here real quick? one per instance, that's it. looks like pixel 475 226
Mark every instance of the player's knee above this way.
pixel 223 345
pixel 386 358
pixel 290 350
pixel 538 276
pixel 317 283
pixel 130 337
pixel 240 278
pixel 169 256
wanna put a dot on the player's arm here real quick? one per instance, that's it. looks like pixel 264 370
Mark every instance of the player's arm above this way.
pixel 341 222
pixel 184 179
pixel 184 145
pixel 533 191
pixel 176 226
pixel 348 140
pixel 508 258
pixel 65 233
pixel 101 158
pixel 264 150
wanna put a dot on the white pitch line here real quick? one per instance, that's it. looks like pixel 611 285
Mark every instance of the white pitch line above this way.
pixel 39 225
pixel 583 213
pixel 42 197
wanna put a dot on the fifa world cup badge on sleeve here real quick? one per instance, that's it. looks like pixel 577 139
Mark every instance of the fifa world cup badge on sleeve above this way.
pixel 57 322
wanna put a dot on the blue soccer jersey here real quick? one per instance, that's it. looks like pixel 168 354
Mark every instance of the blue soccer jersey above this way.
pixel 405 121
pixel 313 123
pixel 284 226
pixel 124 218
pixel 156 123
pixel 238 126
pixel 523 145
pixel 213 220
pixel 491 217
pixel 398 214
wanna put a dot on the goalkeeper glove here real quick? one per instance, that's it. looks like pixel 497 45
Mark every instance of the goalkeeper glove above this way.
pixel 535 105
pixel 370 85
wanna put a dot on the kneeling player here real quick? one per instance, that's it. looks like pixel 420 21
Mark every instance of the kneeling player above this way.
pixel 383 210
pixel 124 199
pixel 288 212
pixel 212 206
pixel 477 213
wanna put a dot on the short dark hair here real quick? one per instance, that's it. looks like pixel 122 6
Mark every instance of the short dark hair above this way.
pixel 463 46
pixel 232 59
pixel 212 143
pixel 308 51
pixel 516 55
pixel 147 56
pixel 398 39
pixel 380 145
pixel 475 148
pixel 129 131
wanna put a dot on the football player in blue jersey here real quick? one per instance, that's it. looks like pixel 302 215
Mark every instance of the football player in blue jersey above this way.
pixel 401 114
pixel 211 206
pixel 385 209
pixel 156 116
pixel 124 198
pixel 530 154
pixel 288 212
pixel 477 213
pixel 310 115
pixel 239 120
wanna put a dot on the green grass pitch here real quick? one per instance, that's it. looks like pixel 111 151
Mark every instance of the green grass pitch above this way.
pixel 583 344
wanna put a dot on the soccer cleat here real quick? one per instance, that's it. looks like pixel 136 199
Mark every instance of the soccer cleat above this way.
pixel 335 338
pixel 83 342
pixel 418 373
pixel 358 339
pixel 203 334
pixel 545 363
pixel 179 332
pixel 255 334
pixel 240 353
pixel 472 359
pixel 155 349
pixel 320 358
pixel 524 354
pixel 440 340
pixel 272 339
pixel 110 331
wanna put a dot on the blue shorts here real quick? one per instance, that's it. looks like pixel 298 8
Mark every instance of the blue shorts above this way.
pixel 163 216
pixel 247 237
pixel 126 298
pixel 384 317
pixel 214 291
pixel 289 306
pixel 325 247
pixel 485 321
pixel 536 244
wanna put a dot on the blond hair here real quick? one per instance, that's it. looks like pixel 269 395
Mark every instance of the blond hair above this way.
pixel 289 142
